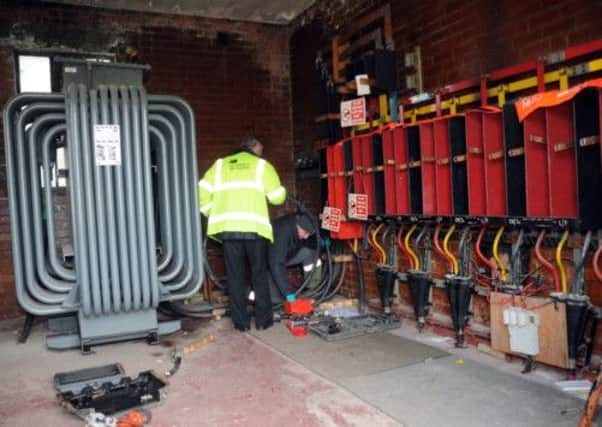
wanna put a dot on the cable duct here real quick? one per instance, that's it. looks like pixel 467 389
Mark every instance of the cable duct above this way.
pixel 135 227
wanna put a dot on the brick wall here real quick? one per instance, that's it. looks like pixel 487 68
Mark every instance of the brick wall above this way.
pixel 458 40
pixel 238 83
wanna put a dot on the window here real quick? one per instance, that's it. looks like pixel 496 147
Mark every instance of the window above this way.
pixel 34 73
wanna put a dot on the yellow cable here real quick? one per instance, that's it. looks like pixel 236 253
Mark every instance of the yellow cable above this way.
pixel 559 248
pixel 378 246
pixel 496 254
pixel 446 249
pixel 355 246
pixel 409 249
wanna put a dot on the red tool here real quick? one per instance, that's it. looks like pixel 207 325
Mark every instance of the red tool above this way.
pixel 299 307
pixel 297 327
pixel 133 419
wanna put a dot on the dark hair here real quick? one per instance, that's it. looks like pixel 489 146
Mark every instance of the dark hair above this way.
pixel 249 142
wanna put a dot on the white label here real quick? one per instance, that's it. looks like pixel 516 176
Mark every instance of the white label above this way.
pixel 353 112
pixel 70 70
pixel 362 83
pixel 107 145
pixel 358 206
pixel 331 219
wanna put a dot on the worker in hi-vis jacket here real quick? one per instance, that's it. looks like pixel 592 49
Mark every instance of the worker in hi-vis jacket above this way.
pixel 234 196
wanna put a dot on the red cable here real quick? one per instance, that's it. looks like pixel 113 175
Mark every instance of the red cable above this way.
pixel 597 269
pixel 548 265
pixel 440 249
pixel 482 257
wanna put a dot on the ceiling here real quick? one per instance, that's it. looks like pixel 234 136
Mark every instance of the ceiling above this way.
pixel 265 11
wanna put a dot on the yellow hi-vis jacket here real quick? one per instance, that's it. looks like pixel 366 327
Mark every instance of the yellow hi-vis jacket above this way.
pixel 234 192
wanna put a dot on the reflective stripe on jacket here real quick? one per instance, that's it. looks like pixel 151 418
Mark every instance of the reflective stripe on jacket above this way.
pixel 234 195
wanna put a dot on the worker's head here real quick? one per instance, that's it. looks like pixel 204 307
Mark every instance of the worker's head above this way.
pixel 252 145
pixel 305 226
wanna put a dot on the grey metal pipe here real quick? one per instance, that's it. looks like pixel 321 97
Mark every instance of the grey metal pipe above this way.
pixel 11 110
pixel 110 214
pixel 148 200
pixel 51 283
pixel 110 301
pixel 126 169
pixel 189 118
pixel 165 197
pixel 37 290
pixel 578 274
pixel 185 178
pixel 141 215
pixel 78 201
pixel 177 184
pixel 86 159
pixel 120 206
pixel 55 264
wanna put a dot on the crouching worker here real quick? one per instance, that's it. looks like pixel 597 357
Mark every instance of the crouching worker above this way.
pixel 291 234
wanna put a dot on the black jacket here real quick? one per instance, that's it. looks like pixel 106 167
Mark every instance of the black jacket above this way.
pixel 286 244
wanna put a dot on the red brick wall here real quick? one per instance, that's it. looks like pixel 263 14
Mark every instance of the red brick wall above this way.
pixel 304 44
pixel 464 39
pixel 238 88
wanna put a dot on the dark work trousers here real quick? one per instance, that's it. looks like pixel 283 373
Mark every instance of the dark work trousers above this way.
pixel 236 254
pixel 304 256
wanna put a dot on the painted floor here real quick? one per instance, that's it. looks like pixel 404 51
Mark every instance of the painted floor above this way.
pixel 257 379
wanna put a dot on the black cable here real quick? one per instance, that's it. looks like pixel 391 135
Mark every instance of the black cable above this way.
pixel 208 269
pixel 27 326
pixel 579 266
pixel 362 284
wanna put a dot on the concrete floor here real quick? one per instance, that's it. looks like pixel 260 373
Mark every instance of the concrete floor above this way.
pixel 242 380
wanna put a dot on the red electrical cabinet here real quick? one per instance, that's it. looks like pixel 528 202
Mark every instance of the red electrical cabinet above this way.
pixel 367 161
pixel 493 153
pixel 330 175
pixel 443 175
pixel 535 147
pixel 475 162
pixel 389 166
pixel 427 163
pixel 339 180
pixel 402 177
pixel 561 160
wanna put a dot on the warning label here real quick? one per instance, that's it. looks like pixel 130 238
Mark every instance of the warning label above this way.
pixel 107 145
pixel 358 206
pixel 331 219
pixel 353 112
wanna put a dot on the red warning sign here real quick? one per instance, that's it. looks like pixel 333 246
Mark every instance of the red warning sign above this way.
pixel 331 219
pixel 358 206
pixel 353 112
